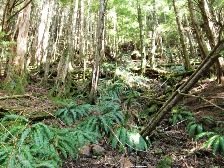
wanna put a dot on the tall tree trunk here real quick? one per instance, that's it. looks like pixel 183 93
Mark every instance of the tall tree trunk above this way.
pixel 211 31
pixel 143 57
pixel 180 30
pixel 82 36
pixel 43 31
pixel 208 23
pixel 152 24
pixel 199 37
pixel 99 51
pixel 16 65
pixel 65 60
pixel 22 39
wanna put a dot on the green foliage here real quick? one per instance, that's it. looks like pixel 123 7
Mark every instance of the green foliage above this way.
pixel 165 162
pixel 194 128
pixel 38 145
pixel 132 139
pixel 106 115
pixel 116 88
pixel 120 91
pixel 215 141
pixel 15 84
pixel 208 119
pixel 179 114
pixel 73 112
pixel 66 2
pixel 101 117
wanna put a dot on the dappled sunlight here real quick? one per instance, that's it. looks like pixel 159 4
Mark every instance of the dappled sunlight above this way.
pixel 118 83
pixel 133 80
pixel 134 138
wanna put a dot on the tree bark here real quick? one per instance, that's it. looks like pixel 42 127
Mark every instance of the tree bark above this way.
pixel 184 88
pixel 143 58
pixel 99 51
pixel 211 31
pixel 22 39
pixel 202 46
pixel 43 32
pixel 180 30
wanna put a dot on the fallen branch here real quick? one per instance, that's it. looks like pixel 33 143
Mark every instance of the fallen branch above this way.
pixel 14 96
pixel 211 104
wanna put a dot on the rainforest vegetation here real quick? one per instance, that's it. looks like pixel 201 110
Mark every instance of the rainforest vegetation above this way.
pixel 111 83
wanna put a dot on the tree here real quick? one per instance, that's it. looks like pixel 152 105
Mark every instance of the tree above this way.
pixel 99 50
pixel 182 41
pixel 143 56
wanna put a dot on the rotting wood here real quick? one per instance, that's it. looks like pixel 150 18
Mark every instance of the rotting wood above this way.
pixel 184 88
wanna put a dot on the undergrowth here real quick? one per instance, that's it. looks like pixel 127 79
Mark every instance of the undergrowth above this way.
pixel 213 140
pixel 38 145
pixel 27 144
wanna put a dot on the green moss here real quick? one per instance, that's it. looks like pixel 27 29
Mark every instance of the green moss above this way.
pixel 165 162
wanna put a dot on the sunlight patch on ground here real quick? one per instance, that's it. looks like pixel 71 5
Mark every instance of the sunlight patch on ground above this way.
pixel 132 79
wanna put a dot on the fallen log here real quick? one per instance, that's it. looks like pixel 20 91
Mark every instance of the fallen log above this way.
pixel 184 88
pixel 14 96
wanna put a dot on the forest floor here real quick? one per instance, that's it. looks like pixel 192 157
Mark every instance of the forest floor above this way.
pixel 170 142
pixel 173 141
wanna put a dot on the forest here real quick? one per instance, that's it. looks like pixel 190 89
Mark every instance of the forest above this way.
pixel 111 83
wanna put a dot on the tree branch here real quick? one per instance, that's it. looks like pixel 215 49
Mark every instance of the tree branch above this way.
pixel 19 11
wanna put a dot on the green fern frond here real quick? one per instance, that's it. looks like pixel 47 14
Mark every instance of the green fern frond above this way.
pixel 13 117
pixel 114 140
pixel 47 164
pixel 210 141
pixel 24 135
pixel 204 134
pixel 179 114
pixel 11 133
pixel 24 157
pixel 73 112
pixel 194 129
pixel 66 148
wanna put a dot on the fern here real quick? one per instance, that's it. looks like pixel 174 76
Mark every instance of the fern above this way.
pixel 73 112
pixel 214 141
pixel 179 114
pixel 39 145
pixel 194 129
pixel 102 123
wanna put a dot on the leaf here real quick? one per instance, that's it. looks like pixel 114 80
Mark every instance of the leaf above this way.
pixel 203 134
pixel 215 145
pixel 221 141
pixel 115 138
pixel 192 130
pixel 24 135
pixel 13 117
pixel 46 164
pixel 210 141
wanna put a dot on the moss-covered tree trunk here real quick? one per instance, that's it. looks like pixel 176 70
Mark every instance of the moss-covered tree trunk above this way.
pixel 16 63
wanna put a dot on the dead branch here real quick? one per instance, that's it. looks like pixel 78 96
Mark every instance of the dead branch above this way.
pixel 14 97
